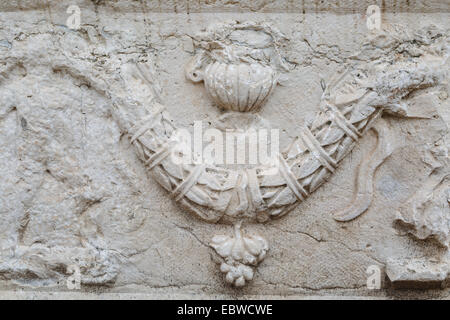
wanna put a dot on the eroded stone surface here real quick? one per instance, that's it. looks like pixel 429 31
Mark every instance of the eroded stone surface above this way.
pixel 74 192
pixel 418 273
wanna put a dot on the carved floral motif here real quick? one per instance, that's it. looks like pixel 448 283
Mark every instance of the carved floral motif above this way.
pixel 352 102
pixel 240 252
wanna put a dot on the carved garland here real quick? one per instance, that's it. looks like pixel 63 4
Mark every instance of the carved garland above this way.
pixel 350 105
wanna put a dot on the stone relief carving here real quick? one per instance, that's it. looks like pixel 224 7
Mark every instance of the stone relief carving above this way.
pixel 351 105
pixel 426 215
pixel 239 253
pixel 97 266
pixel 239 63
pixel 363 192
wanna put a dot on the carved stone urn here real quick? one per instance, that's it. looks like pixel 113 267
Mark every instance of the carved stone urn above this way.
pixel 239 63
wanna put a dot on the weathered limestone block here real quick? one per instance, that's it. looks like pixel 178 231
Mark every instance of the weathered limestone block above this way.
pixel 418 274
pixel 427 214
pixel 90 120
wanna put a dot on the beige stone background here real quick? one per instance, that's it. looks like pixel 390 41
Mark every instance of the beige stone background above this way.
pixel 72 189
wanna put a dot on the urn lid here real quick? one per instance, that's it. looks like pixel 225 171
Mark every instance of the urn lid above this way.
pixel 248 42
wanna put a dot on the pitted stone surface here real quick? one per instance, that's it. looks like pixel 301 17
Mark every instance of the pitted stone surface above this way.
pixel 74 191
